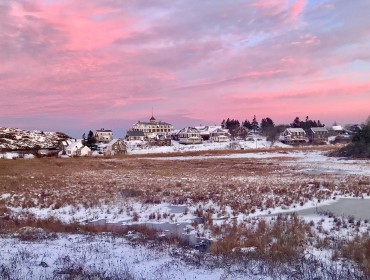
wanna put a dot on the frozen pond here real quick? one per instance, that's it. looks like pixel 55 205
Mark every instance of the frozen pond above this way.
pixel 346 207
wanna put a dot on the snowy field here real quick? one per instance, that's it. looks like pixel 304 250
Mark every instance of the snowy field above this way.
pixel 139 147
pixel 202 197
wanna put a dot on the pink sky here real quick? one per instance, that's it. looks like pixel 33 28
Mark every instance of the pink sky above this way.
pixel 71 66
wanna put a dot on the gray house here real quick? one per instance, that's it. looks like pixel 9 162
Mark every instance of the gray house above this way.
pixel 115 147
pixel 132 135
pixel 318 134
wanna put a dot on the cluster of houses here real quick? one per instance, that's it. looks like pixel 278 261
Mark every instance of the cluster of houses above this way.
pixel 312 135
pixel 106 146
pixel 159 133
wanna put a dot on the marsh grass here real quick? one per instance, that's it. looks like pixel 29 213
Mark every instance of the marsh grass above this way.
pixel 246 185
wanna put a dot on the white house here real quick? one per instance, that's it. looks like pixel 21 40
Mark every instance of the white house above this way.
pixel 76 148
pixel 219 135
pixel 205 131
pixel 103 135
pixel 153 129
pixel 293 135
pixel 84 151
pixel 189 135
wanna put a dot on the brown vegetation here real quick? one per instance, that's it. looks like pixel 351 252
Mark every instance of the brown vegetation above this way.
pixel 246 185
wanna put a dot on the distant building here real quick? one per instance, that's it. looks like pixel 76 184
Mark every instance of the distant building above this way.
pixel 189 135
pixel 76 149
pixel 103 135
pixel 219 135
pixel 318 134
pixel 153 129
pixel 135 135
pixel 205 131
pixel 336 130
pixel 293 135
pixel 115 147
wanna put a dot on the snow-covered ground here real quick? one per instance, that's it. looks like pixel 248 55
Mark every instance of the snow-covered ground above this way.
pixel 104 255
pixel 142 147
pixel 120 257
pixel 139 147
pixel 15 138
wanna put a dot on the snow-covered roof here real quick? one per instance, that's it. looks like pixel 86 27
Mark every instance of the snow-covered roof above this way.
pixel 111 143
pixel 318 129
pixel 153 123
pixel 220 130
pixel 189 130
pixel 208 128
pixel 295 129
pixel 337 128
pixel 75 145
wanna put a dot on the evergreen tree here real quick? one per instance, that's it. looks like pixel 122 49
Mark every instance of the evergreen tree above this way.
pixel 90 142
pixel 307 124
pixel 254 124
pixel 266 123
pixel 247 124
pixel 296 123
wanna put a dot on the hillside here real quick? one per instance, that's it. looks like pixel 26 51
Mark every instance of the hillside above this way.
pixel 15 139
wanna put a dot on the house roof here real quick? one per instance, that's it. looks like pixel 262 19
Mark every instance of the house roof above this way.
pixel 219 130
pixel 135 133
pixel 208 127
pixel 337 128
pixel 111 143
pixel 153 123
pixel 294 129
pixel 317 129
pixel 104 130
pixel 189 130
pixel 75 145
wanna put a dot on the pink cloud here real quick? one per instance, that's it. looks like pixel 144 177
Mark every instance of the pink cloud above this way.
pixel 297 8
pixel 85 25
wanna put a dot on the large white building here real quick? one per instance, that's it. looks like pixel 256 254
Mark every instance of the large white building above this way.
pixel 153 129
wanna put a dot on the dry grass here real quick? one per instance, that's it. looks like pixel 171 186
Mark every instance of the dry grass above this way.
pixel 247 185
pixel 279 241
pixel 357 250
